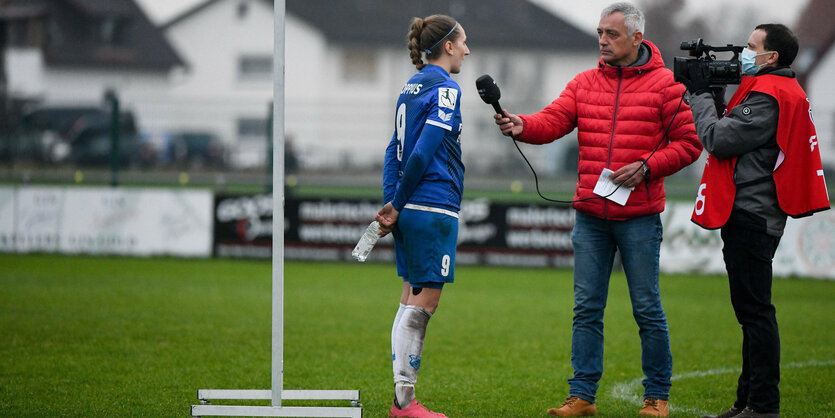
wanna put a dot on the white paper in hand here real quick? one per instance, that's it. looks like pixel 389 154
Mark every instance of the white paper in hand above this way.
pixel 604 187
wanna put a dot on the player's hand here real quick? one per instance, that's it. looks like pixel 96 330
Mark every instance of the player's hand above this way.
pixel 630 175
pixel 387 217
pixel 510 124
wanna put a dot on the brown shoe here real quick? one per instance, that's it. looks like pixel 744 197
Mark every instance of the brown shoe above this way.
pixel 574 407
pixel 654 408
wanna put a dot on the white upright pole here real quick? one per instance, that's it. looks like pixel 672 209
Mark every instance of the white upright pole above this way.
pixel 278 205
pixel 277 393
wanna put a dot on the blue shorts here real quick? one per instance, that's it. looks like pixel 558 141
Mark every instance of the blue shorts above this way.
pixel 424 247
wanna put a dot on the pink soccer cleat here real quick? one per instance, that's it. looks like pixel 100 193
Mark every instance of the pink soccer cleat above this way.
pixel 414 410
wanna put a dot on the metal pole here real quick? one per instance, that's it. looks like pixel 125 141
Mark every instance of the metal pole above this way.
pixel 115 128
pixel 278 205
pixel 277 393
pixel 270 144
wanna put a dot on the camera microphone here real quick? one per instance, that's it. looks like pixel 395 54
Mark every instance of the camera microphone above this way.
pixel 489 92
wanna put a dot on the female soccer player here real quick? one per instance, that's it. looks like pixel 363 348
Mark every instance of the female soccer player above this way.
pixel 423 180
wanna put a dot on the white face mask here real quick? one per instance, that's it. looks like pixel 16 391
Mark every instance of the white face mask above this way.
pixel 748 59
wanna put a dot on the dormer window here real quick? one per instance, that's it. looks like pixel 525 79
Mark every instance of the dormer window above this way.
pixel 243 9
pixel 26 32
pixel 108 30
pixel 112 30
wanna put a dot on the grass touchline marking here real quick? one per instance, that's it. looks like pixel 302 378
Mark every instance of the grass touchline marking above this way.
pixel 628 391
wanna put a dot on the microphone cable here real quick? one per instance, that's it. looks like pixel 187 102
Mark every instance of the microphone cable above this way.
pixel 643 163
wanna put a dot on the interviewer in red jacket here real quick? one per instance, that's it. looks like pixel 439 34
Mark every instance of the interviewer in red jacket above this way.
pixel 623 109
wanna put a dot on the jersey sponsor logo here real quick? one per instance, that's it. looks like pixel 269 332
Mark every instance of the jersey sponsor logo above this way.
pixel 411 88
pixel 447 97
pixel 444 116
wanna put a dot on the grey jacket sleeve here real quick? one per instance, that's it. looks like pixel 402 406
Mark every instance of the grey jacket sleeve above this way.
pixel 748 126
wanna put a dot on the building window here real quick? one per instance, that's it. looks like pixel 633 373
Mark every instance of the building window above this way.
pixel 108 31
pixel 251 149
pixel 243 10
pixel 359 65
pixel 255 68
pixel 54 34
pixel 27 33
pixel 112 31
pixel 251 129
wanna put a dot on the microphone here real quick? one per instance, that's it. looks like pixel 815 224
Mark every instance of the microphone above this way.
pixel 489 92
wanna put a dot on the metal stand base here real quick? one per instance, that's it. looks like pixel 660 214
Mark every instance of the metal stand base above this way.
pixel 206 409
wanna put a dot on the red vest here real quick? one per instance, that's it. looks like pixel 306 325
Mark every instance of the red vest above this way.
pixel 798 175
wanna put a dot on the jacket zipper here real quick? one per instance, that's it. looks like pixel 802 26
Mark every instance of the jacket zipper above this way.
pixel 612 138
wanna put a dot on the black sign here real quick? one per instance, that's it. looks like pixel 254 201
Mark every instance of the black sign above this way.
pixel 323 229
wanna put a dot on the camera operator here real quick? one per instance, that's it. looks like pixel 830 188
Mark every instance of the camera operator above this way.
pixel 764 164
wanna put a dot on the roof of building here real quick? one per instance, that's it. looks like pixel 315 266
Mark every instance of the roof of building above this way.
pixel 816 35
pixel 71 42
pixel 105 7
pixel 493 23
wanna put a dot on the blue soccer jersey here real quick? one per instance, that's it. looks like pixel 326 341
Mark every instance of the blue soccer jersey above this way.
pixel 423 160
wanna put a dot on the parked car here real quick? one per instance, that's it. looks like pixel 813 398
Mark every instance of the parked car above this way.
pixel 91 143
pixel 194 149
pixel 82 136
pixel 42 133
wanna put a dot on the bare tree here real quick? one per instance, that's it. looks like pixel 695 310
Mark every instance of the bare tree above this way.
pixel 667 27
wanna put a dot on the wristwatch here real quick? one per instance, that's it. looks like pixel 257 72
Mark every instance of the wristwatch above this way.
pixel 645 169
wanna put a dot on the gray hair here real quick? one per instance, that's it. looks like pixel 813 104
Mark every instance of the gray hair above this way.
pixel 634 17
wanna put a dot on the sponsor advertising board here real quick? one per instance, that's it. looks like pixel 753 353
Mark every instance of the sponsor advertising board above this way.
pixel 98 220
pixel 144 222
pixel 318 229
pixel 500 234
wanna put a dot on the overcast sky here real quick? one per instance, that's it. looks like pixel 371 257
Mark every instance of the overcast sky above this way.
pixel 160 11
pixel 585 14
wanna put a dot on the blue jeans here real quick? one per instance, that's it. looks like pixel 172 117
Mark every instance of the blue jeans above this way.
pixel 639 242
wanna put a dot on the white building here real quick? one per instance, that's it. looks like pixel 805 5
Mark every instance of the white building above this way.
pixel 227 86
pixel 815 65
pixel 69 53
pixel 345 64
pixel 821 91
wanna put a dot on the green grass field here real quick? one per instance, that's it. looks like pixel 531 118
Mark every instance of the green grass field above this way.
pixel 88 336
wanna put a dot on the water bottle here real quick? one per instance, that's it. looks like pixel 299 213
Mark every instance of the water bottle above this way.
pixel 366 242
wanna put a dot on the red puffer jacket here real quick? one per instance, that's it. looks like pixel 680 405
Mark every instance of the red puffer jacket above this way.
pixel 621 114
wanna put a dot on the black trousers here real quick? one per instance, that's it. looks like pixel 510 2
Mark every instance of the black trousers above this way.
pixel 748 255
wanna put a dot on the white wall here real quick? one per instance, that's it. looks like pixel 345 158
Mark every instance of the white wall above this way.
pixel 29 78
pixel 211 42
pixel 210 94
pixel 334 121
pixel 24 72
